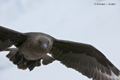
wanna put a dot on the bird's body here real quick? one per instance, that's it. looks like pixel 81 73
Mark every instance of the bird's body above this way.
pixel 33 47
pixel 36 46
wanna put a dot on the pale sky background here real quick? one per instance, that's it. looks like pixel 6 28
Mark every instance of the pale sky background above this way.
pixel 74 20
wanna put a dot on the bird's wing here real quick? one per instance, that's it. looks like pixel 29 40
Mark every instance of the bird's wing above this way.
pixel 10 37
pixel 85 59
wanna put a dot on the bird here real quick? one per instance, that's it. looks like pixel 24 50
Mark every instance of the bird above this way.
pixel 33 48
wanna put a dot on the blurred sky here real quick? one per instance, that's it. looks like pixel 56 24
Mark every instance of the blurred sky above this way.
pixel 74 20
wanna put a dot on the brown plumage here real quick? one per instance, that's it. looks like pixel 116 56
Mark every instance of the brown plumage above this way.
pixel 33 47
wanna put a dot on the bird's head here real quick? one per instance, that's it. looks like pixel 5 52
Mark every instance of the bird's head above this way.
pixel 43 43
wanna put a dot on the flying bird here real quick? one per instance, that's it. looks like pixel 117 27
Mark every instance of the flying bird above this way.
pixel 32 48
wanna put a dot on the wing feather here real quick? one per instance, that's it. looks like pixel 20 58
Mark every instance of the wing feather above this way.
pixel 10 37
pixel 85 59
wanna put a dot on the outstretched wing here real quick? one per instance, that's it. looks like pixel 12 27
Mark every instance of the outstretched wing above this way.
pixel 10 37
pixel 85 59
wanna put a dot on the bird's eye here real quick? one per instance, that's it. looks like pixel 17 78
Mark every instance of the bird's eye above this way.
pixel 39 42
